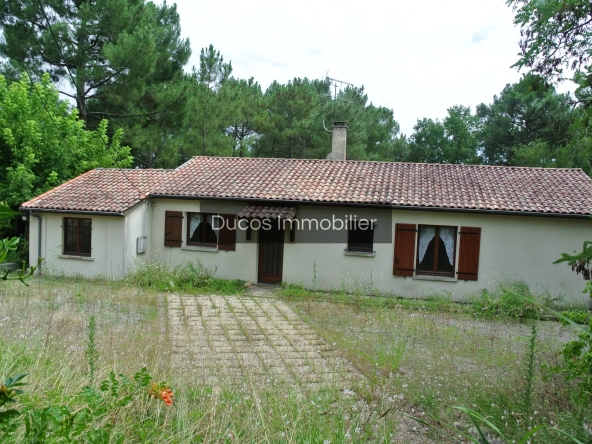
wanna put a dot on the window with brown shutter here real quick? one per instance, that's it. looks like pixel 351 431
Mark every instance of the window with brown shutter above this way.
pixel 468 255
pixel 227 233
pixel 405 234
pixel 173 229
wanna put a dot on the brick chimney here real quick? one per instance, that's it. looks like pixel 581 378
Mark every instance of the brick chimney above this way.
pixel 339 140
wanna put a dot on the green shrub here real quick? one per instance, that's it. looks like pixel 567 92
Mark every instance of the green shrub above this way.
pixel 511 299
pixel 190 277
pixel 577 364
pixel 87 417
pixel 577 316
pixel 20 254
pixel 152 274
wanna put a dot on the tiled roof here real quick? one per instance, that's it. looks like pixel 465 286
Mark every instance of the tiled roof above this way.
pixel 267 212
pixel 103 190
pixel 283 181
pixel 474 187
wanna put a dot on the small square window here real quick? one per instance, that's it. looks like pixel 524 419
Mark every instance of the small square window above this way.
pixel 360 236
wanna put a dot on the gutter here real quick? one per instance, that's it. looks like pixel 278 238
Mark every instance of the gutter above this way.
pixel 38 238
pixel 378 206
pixel 93 213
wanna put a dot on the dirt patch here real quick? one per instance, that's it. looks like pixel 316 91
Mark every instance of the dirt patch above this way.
pixel 230 337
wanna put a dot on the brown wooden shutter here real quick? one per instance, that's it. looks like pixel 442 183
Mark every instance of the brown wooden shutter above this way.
pixel 173 229
pixel 227 233
pixel 86 236
pixel 468 254
pixel 404 263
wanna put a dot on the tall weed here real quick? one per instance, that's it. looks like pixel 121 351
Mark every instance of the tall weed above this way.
pixel 189 277
pixel 511 299
pixel 92 353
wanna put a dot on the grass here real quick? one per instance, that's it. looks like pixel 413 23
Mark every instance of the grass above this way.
pixel 507 301
pixel 437 303
pixel 420 357
pixel 434 360
pixel 44 331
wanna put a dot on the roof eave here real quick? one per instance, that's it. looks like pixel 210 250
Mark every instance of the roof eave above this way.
pixel 51 210
pixel 383 206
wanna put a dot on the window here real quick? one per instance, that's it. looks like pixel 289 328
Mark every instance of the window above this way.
pixel 201 230
pixel 77 236
pixel 360 236
pixel 436 250
pixel 431 250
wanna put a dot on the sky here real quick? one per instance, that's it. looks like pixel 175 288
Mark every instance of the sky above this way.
pixel 417 58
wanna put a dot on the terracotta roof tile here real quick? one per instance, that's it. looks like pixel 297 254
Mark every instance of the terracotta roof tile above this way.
pixel 103 190
pixel 479 187
pixel 267 212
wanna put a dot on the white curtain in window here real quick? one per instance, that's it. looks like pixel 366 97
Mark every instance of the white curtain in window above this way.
pixel 426 234
pixel 447 234
pixel 193 223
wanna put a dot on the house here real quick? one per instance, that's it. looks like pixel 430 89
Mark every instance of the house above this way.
pixel 399 228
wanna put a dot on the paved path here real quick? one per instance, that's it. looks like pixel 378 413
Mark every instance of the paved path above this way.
pixel 230 337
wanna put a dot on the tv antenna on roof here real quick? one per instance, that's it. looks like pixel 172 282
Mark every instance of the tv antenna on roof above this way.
pixel 335 83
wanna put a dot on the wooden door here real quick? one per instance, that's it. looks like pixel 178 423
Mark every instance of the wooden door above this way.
pixel 271 255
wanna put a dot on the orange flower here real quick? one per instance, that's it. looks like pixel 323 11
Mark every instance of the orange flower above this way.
pixel 161 391
pixel 167 396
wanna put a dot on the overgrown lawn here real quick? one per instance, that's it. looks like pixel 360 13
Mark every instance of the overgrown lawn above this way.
pixel 420 358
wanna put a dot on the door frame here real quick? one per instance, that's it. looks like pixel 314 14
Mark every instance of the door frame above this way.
pixel 263 250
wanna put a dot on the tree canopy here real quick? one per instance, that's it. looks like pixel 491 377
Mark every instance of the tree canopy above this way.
pixel 44 143
pixel 556 35
pixel 125 60
pixel 528 112
pixel 454 140
pixel 557 45
pixel 119 59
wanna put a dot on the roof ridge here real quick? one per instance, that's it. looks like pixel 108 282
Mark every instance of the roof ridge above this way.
pixel 133 169
pixel 381 162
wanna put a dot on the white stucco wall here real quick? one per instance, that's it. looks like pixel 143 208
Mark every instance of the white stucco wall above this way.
pixel 106 247
pixel 323 254
pixel 138 222
pixel 239 264
pixel 512 247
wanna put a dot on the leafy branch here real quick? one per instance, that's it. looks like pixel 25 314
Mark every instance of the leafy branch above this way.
pixel 7 245
pixel 579 262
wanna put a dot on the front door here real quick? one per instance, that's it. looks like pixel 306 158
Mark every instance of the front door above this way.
pixel 271 255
